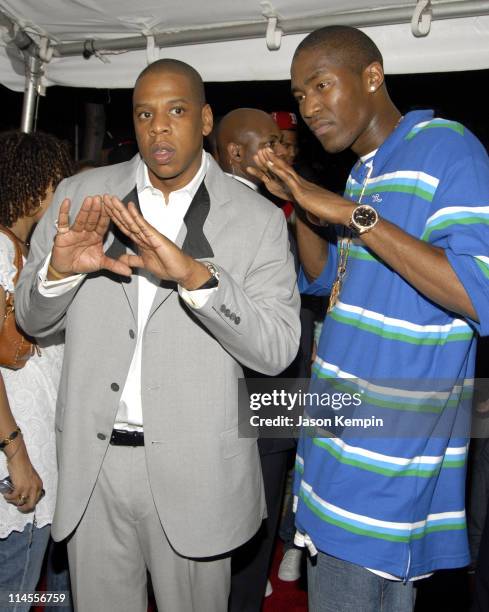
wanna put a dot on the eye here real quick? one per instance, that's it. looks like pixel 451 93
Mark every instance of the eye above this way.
pixel 177 110
pixel 299 98
pixel 144 115
pixel 322 85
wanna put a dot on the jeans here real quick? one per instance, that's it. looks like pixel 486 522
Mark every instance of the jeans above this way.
pixel 58 575
pixel 339 586
pixel 21 557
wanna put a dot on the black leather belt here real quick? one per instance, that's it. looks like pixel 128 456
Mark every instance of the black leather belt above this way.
pixel 121 437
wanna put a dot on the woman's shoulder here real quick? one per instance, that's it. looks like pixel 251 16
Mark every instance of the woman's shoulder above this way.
pixel 7 266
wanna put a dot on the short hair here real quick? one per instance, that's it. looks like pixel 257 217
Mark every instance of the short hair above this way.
pixel 347 45
pixel 178 67
pixel 29 165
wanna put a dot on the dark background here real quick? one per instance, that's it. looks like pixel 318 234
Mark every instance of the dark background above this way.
pixel 462 96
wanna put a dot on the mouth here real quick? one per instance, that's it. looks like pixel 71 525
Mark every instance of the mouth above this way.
pixel 319 128
pixel 162 153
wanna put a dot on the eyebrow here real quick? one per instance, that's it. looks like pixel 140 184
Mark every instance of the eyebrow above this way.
pixel 310 78
pixel 173 101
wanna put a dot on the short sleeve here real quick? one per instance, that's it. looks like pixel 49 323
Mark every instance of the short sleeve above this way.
pixel 460 224
pixel 7 267
pixel 323 283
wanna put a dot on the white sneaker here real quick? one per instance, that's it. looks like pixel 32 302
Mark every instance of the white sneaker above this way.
pixel 269 589
pixel 290 567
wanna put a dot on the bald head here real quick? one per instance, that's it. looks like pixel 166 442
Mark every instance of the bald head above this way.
pixel 241 133
pixel 173 66
pixel 344 45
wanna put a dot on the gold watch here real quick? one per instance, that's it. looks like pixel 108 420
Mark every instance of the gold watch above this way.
pixel 363 219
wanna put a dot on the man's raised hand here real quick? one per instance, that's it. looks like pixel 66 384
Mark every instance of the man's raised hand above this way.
pixel 78 249
pixel 156 253
pixel 319 203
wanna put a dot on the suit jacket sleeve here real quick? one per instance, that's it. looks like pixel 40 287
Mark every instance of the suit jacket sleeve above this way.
pixel 258 321
pixel 39 315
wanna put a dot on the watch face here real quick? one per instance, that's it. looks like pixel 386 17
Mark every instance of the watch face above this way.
pixel 365 216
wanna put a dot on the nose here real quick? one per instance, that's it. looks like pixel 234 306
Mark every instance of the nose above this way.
pixel 310 105
pixel 160 124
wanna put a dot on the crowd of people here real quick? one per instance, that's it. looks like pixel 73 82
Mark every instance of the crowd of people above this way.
pixel 149 287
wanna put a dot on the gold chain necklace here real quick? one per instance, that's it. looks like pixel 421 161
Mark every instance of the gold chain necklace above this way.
pixel 346 242
pixel 344 252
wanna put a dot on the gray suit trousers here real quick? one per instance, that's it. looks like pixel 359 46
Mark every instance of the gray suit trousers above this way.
pixel 120 538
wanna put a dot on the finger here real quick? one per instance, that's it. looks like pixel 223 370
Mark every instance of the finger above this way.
pixel 93 217
pixel 147 232
pixel 284 172
pixel 63 221
pixel 117 218
pixel 103 222
pixel 133 261
pixel 116 266
pixel 89 204
pixel 260 160
pixel 260 174
pixel 119 213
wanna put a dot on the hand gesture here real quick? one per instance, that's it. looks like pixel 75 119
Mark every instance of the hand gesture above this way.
pixel 26 481
pixel 156 253
pixel 321 204
pixel 79 248
pixel 273 184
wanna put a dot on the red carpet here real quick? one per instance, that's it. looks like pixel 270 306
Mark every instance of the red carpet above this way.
pixel 286 596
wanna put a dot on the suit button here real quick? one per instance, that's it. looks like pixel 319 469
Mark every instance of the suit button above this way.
pixel 114 387
pixel 227 313
pixel 132 334
pixel 232 316
pixel 237 320
pixel 223 307
pixel 101 436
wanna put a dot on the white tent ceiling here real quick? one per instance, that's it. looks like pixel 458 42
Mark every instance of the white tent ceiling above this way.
pixel 225 39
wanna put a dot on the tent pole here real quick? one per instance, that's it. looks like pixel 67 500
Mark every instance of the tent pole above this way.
pixel 33 75
pixel 445 9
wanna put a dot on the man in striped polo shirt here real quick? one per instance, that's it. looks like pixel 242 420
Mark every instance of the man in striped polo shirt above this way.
pixel 407 267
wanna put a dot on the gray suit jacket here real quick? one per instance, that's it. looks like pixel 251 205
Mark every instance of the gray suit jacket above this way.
pixel 205 480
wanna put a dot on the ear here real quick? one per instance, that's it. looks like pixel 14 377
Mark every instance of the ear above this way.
pixel 373 77
pixel 234 151
pixel 207 120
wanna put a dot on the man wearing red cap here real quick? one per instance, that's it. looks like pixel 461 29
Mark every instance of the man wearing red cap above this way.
pixel 287 122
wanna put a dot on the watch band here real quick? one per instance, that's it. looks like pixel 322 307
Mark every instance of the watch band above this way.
pixel 213 281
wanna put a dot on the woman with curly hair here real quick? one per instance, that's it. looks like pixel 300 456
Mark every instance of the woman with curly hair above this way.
pixel 31 166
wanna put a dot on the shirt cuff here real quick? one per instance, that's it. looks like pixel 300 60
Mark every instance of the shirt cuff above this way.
pixel 56 288
pixel 197 298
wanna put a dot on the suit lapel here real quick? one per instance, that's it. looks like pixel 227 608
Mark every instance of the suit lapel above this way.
pixel 191 239
pixel 195 237
pixel 120 245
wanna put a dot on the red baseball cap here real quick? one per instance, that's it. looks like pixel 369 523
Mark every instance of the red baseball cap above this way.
pixel 285 120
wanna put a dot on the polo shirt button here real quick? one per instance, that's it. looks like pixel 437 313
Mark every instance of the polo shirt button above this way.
pixel 227 313
pixel 223 307
pixel 232 316
pixel 237 320
pixel 101 436
pixel 114 387
pixel 132 334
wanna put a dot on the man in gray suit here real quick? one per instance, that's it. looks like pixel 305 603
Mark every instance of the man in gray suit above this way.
pixel 161 310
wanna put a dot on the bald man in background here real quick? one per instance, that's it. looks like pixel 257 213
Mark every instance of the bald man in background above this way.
pixel 241 133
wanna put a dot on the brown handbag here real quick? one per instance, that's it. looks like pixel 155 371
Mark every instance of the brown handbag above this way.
pixel 15 346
